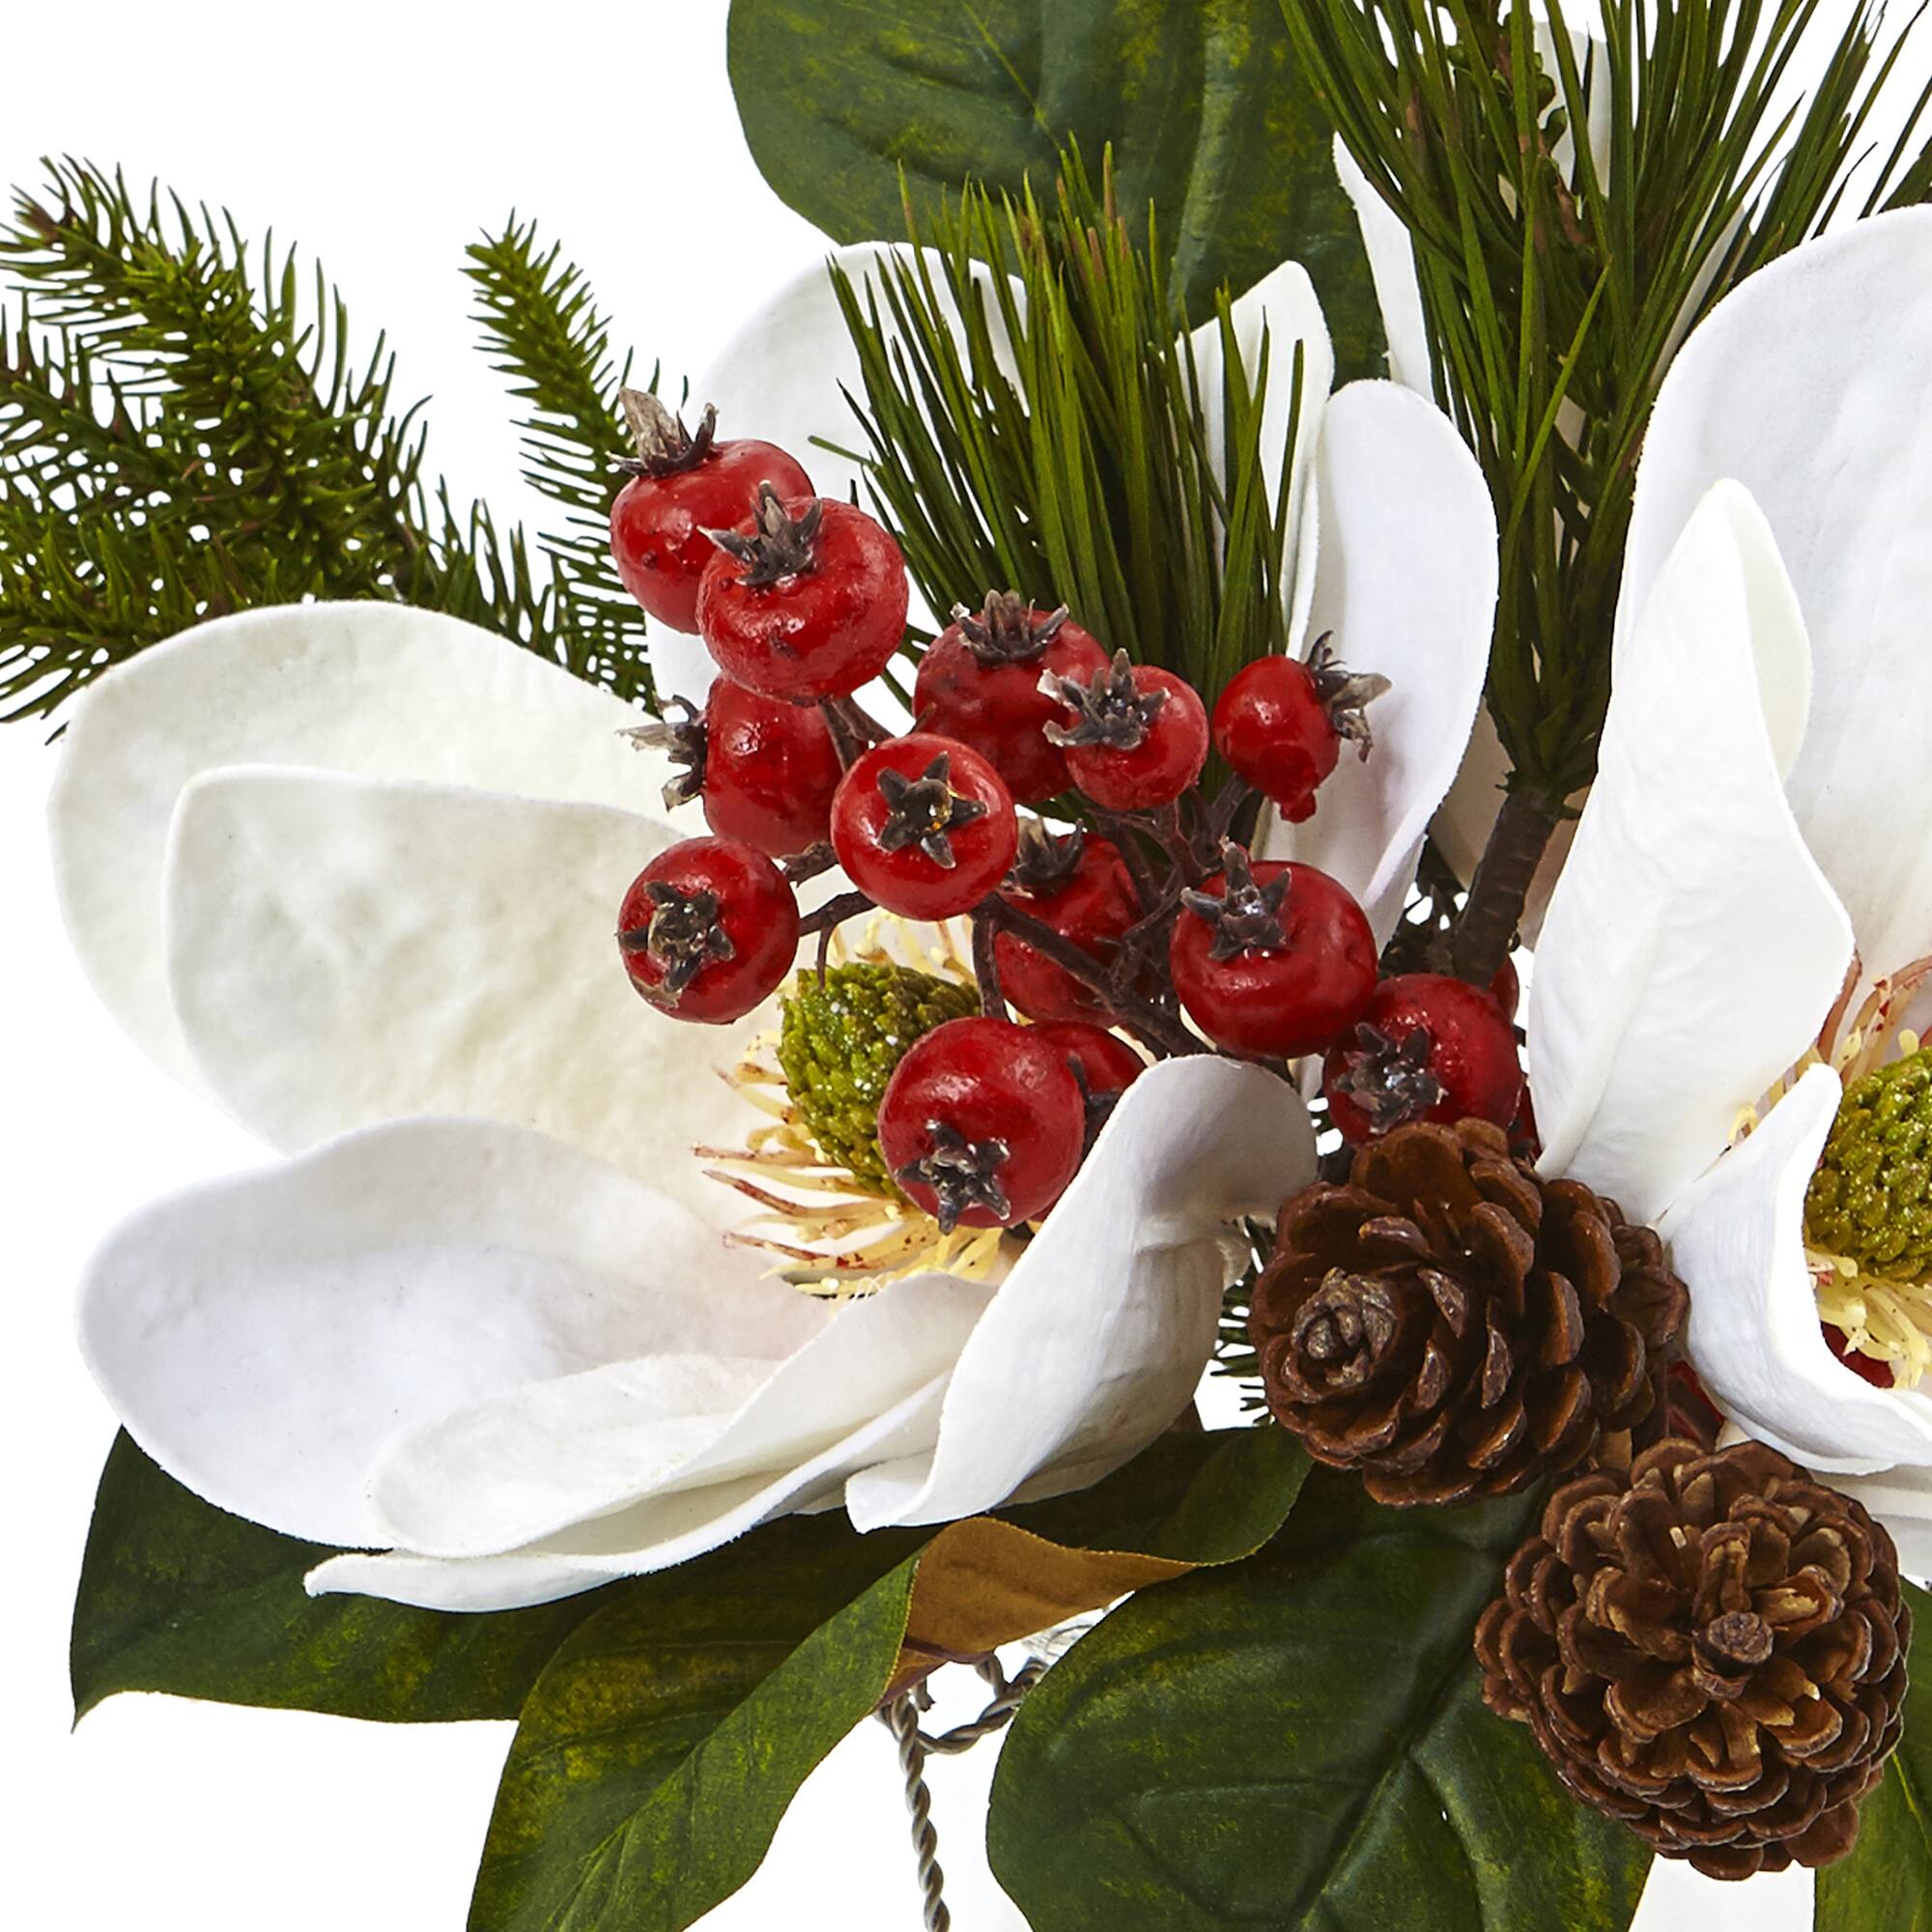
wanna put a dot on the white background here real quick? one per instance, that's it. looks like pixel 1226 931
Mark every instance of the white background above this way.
pixel 381 137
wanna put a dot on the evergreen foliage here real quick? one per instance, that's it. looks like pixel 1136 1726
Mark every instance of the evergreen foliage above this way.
pixel 183 431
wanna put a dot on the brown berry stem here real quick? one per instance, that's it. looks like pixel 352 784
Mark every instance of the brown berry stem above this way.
pixel 847 740
pixel 1125 836
pixel 1500 889
pixel 986 965
pixel 809 864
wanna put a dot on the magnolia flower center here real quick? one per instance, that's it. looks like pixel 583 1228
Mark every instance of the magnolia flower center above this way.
pixel 829 1212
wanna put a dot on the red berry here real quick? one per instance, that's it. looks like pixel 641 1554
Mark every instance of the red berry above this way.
pixel 1427 1048
pixel 1271 960
pixel 808 599
pixel 980 683
pixel 1137 737
pixel 709 930
pixel 1867 1368
pixel 923 825
pixel 1103 1063
pixel 770 770
pixel 1280 725
pixel 982 1123
pixel 1080 886
pixel 683 485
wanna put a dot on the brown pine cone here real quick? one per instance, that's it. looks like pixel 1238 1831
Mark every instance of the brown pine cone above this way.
pixel 1453 1326
pixel 1712 1649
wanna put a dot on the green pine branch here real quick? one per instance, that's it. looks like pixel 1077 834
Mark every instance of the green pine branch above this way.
pixel 1554 298
pixel 1061 451
pixel 543 330
pixel 185 433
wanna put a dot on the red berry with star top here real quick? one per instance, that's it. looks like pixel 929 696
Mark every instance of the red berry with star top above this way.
pixel 681 486
pixel 1426 1047
pixel 1080 886
pixel 923 825
pixel 765 769
pixel 709 931
pixel 982 1123
pixel 1136 737
pixel 981 683
pixel 1271 960
pixel 1280 724
pixel 806 599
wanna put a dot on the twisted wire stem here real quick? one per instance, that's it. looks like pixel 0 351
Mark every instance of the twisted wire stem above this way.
pixel 915 1746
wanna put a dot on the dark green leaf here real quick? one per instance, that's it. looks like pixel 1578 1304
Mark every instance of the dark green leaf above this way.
pixel 1204 104
pixel 1888 1878
pixel 1299 1742
pixel 661 1747
pixel 177 1595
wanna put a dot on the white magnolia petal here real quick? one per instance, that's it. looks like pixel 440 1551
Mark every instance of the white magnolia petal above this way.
pixel 342 950
pixel 526 1465
pixel 649 1536
pixel 376 688
pixel 1395 480
pixel 1738 1239
pixel 1692 948
pixel 1283 311
pixel 1812 385
pixel 1096 1339
pixel 262 1336
pixel 1392 265
pixel 1902 1500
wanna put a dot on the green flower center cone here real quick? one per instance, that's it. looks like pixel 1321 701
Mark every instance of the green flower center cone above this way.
pixel 1871 1197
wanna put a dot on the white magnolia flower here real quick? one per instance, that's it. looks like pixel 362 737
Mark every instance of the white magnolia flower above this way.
pixel 351 871
pixel 1754 865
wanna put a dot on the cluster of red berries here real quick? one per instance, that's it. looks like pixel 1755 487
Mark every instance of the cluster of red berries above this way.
pixel 1151 916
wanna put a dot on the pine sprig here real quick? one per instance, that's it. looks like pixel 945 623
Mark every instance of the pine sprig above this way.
pixel 185 433
pixel 543 330
pixel 1062 449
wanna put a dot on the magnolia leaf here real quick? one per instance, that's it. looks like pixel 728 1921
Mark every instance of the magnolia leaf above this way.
pixel 1207 114
pixel 1299 1742
pixel 661 1747
pixel 1888 1878
pixel 180 1596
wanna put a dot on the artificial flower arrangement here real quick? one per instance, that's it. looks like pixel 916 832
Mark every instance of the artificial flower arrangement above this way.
pixel 1041 976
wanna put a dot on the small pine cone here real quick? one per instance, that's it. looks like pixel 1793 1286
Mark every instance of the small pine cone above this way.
pixel 1711 1649
pixel 1454 1326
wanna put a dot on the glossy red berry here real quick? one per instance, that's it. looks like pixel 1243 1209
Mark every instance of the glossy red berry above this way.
pixel 1136 737
pixel 980 683
pixel 1280 725
pixel 1867 1368
pixel 982 1123
pixel 1271 960
pixel 709 931
pixel 1103 1063
pixel 1506 988
pixel 1426 1047
pixel 1080 886
pixel 806 600
pixel 923 825
pixel 681 486
pixel 765 769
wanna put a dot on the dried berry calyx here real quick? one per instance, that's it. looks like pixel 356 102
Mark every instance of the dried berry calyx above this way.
pixel 684 740
pixel 665 446
pixel 1453 1325
pixel 926 811
pixel 1245 915
pixel 780 545
pixel 1049 861
pixel 841 1039
pixel 1110 710
pixel 1389 1082
pixel 1004 630
pixel 963 1175
pixel 684 934
pixel 1712 1649
pixel 1346 695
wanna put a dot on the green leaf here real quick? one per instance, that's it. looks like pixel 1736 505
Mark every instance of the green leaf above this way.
pixel 1297 1742
pixel 659 1749
pixel 1206 108
pixel 1888 1878
pixel 178 1596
